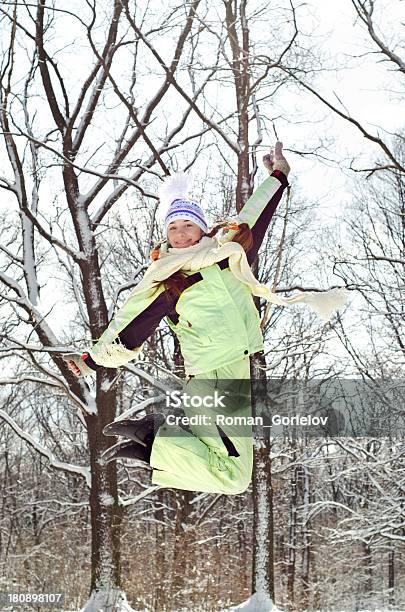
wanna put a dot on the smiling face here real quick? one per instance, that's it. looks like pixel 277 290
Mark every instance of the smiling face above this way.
pixel 183 233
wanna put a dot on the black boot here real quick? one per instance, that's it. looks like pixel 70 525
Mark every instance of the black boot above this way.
pixel 142 430
pixel 127 450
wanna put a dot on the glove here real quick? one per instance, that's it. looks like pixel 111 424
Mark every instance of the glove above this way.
pixel 275 160
pixel 229 230
pixel 77 364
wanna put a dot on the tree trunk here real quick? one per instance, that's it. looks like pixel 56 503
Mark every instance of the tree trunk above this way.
pixel 391 576
pixel 182 552
pixel 105 512
pixel 160 599
pixel 292 538
pixel 368 583
pixel 263 554
pixel 263 530
pixel 263 562
pixel 306 532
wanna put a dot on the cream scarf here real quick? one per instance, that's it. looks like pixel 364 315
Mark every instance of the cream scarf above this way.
pixel 209 251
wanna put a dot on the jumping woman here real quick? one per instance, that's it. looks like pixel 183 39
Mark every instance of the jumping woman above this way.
pixel 201 282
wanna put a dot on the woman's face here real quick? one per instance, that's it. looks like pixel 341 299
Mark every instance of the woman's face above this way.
pixel 182 233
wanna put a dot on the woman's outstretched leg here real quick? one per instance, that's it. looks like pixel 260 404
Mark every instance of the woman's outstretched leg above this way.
pixel 200 460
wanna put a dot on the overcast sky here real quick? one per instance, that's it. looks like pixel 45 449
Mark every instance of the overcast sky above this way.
pixel 362 83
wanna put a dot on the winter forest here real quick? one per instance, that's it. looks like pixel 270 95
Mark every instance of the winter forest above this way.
pixel 99 101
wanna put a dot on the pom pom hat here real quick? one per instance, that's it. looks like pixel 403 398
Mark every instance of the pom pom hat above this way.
pixel 174 198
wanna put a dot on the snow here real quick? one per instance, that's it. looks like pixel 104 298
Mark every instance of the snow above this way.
pixel 112 601
pixel 56 463
pixel 258 602
pixel 106 499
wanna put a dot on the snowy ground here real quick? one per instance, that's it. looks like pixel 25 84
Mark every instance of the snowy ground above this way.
pixel 258 602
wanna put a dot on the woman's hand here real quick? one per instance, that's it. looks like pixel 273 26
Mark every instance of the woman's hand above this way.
pixel 275 160
pixel 73 367
pixel 77 365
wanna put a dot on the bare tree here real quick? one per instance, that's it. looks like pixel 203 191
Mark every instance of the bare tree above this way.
pixel 59 132
pixel 386 47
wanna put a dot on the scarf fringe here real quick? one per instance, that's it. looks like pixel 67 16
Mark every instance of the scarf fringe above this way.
pixel 114 355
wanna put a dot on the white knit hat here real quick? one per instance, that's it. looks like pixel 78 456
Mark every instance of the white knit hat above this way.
pixel 173 196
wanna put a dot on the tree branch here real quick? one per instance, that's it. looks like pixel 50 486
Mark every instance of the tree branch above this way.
pixel 347 117
pixel 43 67
pixel 45 452
pixel 170 73
pixel 366 16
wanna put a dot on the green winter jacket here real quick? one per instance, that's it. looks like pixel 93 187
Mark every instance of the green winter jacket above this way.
pixel 214 318
pixel 218 322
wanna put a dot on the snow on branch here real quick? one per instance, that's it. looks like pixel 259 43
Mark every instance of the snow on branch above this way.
pixel 134 500
pixel 53 379
pixel 27 378
pixel 42 450
pixel 6 184
pixel 365 13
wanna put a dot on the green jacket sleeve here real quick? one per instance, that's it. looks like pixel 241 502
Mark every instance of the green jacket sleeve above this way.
pixel 255 205
pixel 258 201
pixel 109 350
